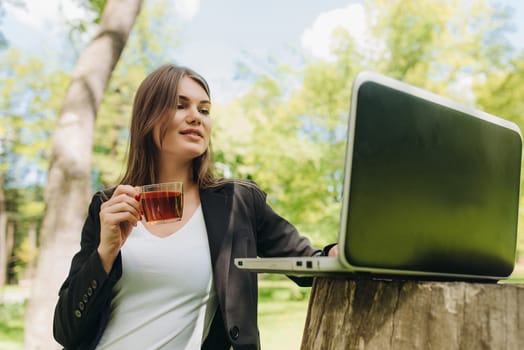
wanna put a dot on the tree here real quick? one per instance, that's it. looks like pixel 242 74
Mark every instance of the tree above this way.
pixel 4 252
pixel 291 140
pixel 28 99
pixel 143 52
pixel 369 314
pixel 500 92
pixel 68 185
pixel 3 41
pixel 437 45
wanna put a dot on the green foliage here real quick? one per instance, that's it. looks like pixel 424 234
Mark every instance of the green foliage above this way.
pixel 29 105
pixel 94 6
pixel 291 140
pixel 266 137
pixel 31 98
pixel 500 92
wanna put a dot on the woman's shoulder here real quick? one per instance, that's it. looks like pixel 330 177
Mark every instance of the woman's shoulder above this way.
pixel 102 196
pixel 236 187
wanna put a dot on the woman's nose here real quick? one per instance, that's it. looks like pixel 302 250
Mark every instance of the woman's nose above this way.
pixel 193 116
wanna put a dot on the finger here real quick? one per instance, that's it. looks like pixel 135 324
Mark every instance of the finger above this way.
pixel 131 191
pixel 125 205
pixel 138 191
pixel 124 189
pixel 131 197
pixel 333 251
pixel 114 219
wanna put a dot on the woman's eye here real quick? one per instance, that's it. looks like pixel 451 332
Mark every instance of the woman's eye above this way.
pixel 204 111
pixel 180 106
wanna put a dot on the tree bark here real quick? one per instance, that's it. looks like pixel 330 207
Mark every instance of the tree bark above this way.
pixel 10 246
pixel 3 235
pixel 68 186
pixel 29 271
pixel 362 314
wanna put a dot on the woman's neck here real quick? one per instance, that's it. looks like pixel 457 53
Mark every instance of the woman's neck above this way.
pixel 172 171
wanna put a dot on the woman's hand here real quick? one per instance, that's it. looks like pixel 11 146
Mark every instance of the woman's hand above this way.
pixel 333 251
pixel 118 216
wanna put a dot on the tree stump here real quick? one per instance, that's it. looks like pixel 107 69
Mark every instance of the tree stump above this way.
pixel 379 314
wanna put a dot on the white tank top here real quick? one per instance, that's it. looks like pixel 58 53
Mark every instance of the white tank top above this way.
pixel 165 298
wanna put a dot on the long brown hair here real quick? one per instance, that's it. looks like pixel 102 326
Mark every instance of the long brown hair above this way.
pixel 155 99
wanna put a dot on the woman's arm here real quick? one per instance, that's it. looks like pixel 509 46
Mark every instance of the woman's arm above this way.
pixel 276 237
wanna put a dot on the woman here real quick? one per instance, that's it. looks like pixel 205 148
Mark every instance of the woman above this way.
pixel 171 286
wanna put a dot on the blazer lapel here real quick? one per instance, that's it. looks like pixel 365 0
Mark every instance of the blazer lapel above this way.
pixel 216 206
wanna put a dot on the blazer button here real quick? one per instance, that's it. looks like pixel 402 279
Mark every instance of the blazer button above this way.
pixel 78 314
pixel 234 332
pixel 94 284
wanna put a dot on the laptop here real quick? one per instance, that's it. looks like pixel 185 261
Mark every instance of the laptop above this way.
pixel 431 190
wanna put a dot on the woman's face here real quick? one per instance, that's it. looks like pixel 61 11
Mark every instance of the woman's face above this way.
pixel 188 132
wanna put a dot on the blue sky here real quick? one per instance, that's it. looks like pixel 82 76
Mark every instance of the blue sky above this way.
pixel 215 35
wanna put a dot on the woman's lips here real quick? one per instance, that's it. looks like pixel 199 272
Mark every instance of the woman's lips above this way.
pixel 192 132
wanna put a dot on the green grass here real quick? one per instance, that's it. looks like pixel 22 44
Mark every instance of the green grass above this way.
pixel 12 326
pixel 12 309
pixel 282 311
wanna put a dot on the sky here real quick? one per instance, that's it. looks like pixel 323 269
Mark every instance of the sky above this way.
pixel 216 35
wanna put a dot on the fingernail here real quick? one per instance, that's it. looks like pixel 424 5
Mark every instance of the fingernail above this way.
pixel 137 197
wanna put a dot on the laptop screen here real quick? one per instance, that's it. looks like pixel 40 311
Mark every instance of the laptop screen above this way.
pixel 433 188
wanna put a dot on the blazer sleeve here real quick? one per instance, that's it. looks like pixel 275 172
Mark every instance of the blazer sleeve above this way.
pixel 85 296
pixel 276 237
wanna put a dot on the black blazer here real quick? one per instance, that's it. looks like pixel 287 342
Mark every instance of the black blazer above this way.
pixel 239 223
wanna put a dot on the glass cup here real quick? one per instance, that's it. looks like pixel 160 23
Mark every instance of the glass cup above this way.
pixel 163 202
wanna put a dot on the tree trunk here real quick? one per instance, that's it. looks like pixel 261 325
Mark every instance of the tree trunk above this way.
pixel 68 186
pixel 29 272
pixel 10 246
pixel 3 235
pixel 360 314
